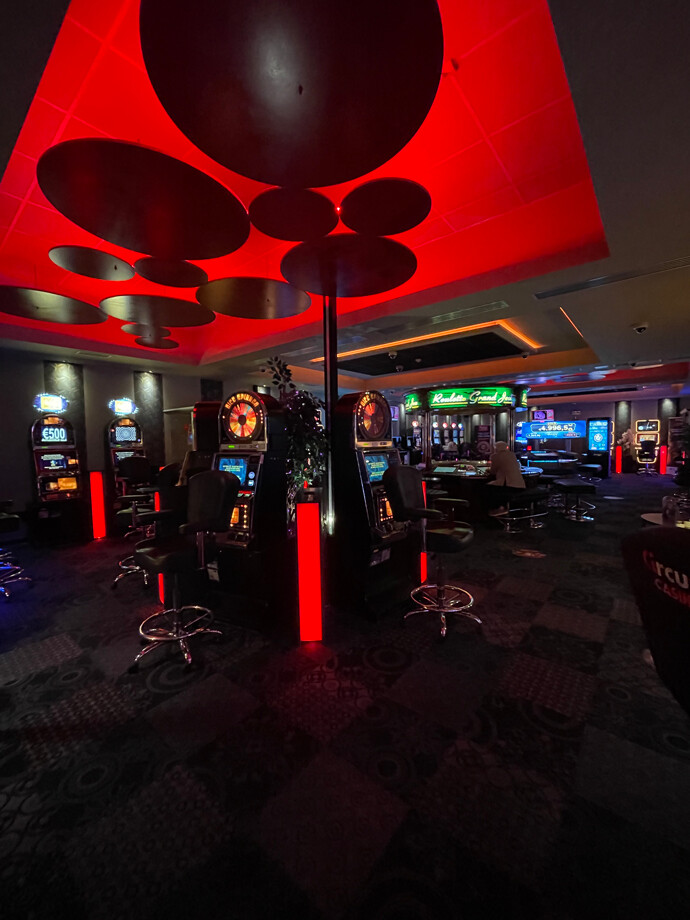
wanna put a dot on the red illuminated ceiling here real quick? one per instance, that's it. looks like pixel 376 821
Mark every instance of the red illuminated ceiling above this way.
pixel 500 153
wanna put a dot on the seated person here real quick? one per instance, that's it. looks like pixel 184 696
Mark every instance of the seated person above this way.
pixel 450 449
pixel 505 468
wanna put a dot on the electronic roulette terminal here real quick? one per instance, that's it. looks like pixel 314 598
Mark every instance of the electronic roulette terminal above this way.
pixel 373 558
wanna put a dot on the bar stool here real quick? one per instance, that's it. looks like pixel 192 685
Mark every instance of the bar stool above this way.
pixel 11 572
pixel 523 507
pixel 577 488
pixel 403 485
pixel 211 499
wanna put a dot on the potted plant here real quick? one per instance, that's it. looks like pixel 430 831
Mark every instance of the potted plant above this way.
pixel 307 441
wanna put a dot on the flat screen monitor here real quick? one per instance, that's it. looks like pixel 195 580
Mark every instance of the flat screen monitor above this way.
pixel 67 484
pixel 550 431
pixel 598 433
pixel 542 415
pixel 376 465
pixel 50 462
pixel 236 465
pixel 53 434
pixel 122 455
pixel 125 434
pixel 651 424
pixel 444 469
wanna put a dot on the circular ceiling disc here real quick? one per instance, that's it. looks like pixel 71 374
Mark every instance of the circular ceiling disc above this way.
pixel 142 199
pixel 171 273
pixel 253 298
pixel 145 332
pixel 149 310
pixel 48 307
pixel 293 214
pixel 156 343
pixel 298 94
pixel 82 260
pixel 348 265
pixel 383 207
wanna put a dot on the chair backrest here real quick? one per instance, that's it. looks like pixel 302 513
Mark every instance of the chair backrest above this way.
pixel 647 449
pixel 657 561
pixel 211 498
pixel 195 461
pixel 172 496
pixel 404 490
pixel 136 470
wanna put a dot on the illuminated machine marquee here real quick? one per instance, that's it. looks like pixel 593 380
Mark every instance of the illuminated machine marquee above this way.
pixel 414 401
pixel 546 430
pixel 462 397
pixel 47 402
pixel 122 406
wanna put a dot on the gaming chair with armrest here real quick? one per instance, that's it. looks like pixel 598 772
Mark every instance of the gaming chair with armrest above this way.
pixel 657 560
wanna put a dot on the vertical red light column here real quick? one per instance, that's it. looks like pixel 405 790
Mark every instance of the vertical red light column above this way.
pixel 97 505
pixel 663 458
pixel 309 571
pixel 422 555
pixel 619 459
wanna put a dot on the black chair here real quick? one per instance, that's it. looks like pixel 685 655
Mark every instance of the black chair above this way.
pixel 647 456
pixel 589 469
pixel 403 485
pixel 657 560
pixel 134 472
pixel 211 499
pixel 169 517
pixel 576 488
pixel 11 572
pixel 523 505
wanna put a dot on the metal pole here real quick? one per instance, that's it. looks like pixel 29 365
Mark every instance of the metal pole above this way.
pixel 330 373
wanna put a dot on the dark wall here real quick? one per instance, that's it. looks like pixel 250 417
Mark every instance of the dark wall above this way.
pixel 148 395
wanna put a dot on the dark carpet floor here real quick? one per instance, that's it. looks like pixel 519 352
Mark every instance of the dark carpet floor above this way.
pixel 534 768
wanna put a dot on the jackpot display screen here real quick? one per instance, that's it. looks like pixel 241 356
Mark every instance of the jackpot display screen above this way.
pixel 376 465
pixel 550 430
pixel 236 465
pixel 53 434
pixel 598 434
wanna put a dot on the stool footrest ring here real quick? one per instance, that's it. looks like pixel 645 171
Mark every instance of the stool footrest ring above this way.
pixel 176 623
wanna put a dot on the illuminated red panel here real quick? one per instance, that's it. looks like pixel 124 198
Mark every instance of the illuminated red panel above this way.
pixel 422 556
pixel 663 458
pixel 161 588
pixel 619 459
pixel 97 505
pixel 500 152
pixel 309 571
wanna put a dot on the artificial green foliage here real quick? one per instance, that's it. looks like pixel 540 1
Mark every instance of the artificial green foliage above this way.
pixel 307 441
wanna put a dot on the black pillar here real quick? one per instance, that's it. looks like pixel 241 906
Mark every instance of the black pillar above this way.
pixel 148 395
pixel 67 380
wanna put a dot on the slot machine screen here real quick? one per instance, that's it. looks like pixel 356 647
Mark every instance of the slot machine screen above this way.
pixel 52 462
pixel 53 434
pixel 648 425
pixel 236 465
pixel 376 465
pixel 123 454
pixel 125 433
pixel 598 434
pixel 67 484
pixel 444 469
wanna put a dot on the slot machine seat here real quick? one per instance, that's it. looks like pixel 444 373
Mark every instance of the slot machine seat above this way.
pixel 11 573
pixel 576 488
pixel 646 455
pixel 443 536
pixel 171 514
pixel 211 498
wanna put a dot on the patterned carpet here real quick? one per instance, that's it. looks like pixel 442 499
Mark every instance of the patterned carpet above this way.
pixel 535 767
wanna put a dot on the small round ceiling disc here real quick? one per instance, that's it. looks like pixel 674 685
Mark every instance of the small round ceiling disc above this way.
pixel 293 214
pixel 150 310
pixel 349 265
pixel 145 331
pixel 93 263
pixel 142 199
pixel 170 272
pixel 161 344
pixel 48 307
pixel 301 94
pixel 253 298
pixel 383 207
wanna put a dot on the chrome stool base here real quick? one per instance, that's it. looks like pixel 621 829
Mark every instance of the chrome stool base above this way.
pixel 11 575
pixel 443 599
pixel 177 624
pixel 129 567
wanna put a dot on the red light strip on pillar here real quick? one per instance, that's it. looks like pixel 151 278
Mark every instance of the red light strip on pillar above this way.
pixel 161 588
pixel 663 458
pixel 97 505
pixel 309 571
pixel 619 459
pixel 422 555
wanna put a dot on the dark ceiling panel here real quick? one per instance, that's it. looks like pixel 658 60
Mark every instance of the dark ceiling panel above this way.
pixel 480 347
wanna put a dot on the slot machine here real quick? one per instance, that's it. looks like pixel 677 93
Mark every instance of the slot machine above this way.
pixel 56 461
pixel 255 553
pixel 373 559
pixel 125 439
pixel 599 431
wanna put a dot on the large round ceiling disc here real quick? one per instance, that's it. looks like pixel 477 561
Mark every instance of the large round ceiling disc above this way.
pixel 383 207
pixel 156 343
pixel 171 273
pixel 293 214
pixel 145 332
pixel 253 298
pixel 93 263
pixel 149 310
pixel 300 94
pixel 348 265
pixel 48 307
pixel 142 199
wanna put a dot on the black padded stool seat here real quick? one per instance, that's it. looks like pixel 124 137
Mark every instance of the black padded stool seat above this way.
pixel 403 485
pixel 522 507
pixel 9 523
pixel 592 468
pixel 578 488
pixel 211 498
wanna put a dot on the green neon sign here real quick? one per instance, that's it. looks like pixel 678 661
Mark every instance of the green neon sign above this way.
pixel 463 397
pixel 412 401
